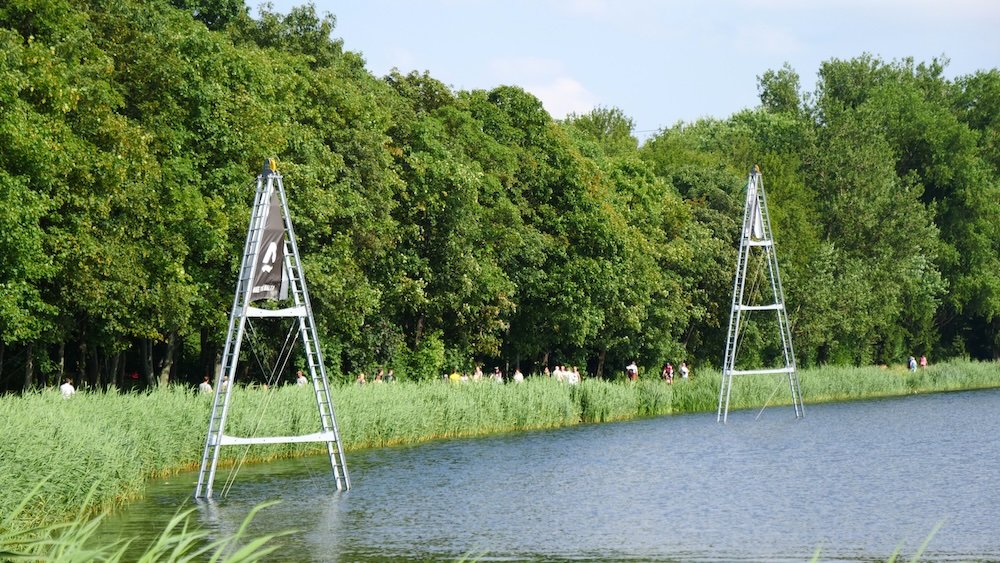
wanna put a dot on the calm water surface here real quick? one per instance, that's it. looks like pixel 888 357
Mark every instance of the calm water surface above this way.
pixel 857 481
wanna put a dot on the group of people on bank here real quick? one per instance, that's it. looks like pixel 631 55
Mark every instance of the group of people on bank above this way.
pixel 666 374
pixel 566 374
pixel 911 363
pixel 497 376
pixel 381 376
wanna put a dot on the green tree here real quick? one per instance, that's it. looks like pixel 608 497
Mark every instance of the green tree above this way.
pixel 932 150
pixel 779 90
pixel 215 14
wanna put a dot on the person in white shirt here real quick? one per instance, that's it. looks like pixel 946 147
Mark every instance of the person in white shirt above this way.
pixel 572 375
pixel 67 388
pixel 300 379
pixel 518 376
pixel 205 386
pixel 632 370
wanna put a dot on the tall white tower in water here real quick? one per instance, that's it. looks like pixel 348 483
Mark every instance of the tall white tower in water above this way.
pixel 757 255
pixel 271 270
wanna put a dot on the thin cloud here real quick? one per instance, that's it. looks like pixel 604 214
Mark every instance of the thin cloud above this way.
pixel 548 80
pixel 563 96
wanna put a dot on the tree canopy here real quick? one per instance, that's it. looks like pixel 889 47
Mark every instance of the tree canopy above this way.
pixel 443 228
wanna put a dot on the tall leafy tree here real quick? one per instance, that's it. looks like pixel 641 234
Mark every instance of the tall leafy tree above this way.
pixel 912 104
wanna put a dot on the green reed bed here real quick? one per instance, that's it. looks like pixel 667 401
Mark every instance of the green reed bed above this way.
pixel 829 384
pixel 602 402
pixel 699 394
pixel 378 415
pixel 97 449
pixel 836 383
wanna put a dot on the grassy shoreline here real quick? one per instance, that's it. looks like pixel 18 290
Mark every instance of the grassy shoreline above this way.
pixel 97 450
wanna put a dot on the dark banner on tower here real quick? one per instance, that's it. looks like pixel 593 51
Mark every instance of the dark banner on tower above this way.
pixel 269 280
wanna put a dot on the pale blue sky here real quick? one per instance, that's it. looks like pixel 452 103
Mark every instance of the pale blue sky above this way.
pixel 658 61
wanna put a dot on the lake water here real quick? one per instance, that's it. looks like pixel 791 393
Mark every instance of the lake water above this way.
pixel 857 481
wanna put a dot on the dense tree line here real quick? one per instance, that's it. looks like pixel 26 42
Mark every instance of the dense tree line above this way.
pixel 441 228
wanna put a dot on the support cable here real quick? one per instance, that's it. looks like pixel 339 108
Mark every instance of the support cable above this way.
pixel 269 391
pixel 781 383
pixel 745 319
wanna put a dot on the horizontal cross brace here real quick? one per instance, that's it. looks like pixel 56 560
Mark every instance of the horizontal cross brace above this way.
pixel 774 307
pixel 761 371
pixel 316 437
pixel 299 311
pixel 767 242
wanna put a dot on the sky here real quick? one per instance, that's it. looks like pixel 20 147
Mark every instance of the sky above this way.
pixel 660 62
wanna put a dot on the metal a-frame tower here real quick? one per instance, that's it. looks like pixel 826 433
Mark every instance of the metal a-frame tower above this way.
pixel 755 238
pixel 270 269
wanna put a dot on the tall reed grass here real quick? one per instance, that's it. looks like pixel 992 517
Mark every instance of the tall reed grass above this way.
pixel 99 448
pixel 74 540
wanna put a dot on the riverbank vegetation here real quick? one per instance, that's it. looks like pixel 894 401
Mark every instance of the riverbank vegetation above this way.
pixel 442 228
pixel 97 449
pixel 73 540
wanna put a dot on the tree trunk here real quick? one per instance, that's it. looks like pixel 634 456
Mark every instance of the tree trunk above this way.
pixel 94 375
pixel 168 360
pixel 996 337
pixel 600 363
pixel 81 362
pixel 3 348
pixel 29 367
pixel 42 381
pixel 147 361
pixel 207 357
pixel 418 333
pixel 114 371
pixel 61 362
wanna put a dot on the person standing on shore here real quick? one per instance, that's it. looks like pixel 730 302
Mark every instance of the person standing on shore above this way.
pixel 632 371
pixel 67 388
